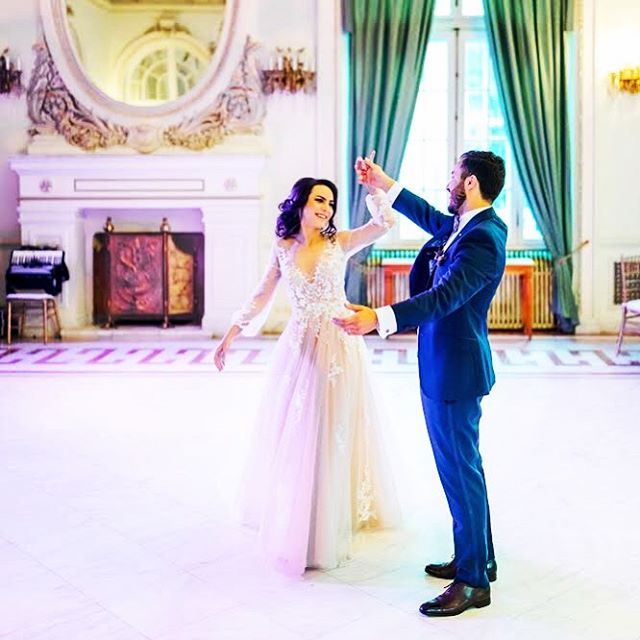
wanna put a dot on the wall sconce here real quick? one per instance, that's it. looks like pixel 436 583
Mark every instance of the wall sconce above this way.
pixel 288 73
pixel 10 74
pixel 626 80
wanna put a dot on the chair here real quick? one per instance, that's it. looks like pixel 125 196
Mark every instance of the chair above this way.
pixel 630 281
pixel 20 302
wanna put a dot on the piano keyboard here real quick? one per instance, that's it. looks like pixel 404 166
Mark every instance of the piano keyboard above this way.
pixel 27 257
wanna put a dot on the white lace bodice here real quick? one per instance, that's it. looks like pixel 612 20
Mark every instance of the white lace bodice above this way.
pixel 315 298
pixel 320 295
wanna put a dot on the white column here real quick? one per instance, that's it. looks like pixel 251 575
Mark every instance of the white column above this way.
pixel 230 258
pixel 586 156
pixel 328 59
pixel 60 224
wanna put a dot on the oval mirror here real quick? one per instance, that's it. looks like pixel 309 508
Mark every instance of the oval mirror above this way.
pixel 141 58
pixel 144 52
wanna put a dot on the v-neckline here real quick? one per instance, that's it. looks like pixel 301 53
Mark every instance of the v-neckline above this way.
pixel 312 275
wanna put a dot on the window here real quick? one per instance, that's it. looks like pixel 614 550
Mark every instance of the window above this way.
pixel 160 67
pixel 164 74
pixel 458 108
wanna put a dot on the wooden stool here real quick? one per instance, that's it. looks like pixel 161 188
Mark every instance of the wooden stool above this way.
pixel 49 311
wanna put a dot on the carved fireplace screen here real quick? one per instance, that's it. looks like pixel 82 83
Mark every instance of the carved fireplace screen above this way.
pixel 148 277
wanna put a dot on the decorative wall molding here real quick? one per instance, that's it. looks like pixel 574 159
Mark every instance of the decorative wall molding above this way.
pixel 65 199
pixel 52 109
pixel 240 108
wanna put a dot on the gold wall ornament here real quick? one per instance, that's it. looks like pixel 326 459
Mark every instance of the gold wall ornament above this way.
pixel 197 134
pixel 10 75
pixel 240 108
pixel 168 23
pixel 626 80
pixel 144 138
pixel 52 109
pixel 288 73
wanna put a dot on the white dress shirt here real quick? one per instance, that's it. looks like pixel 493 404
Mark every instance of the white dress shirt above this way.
pixel 387 323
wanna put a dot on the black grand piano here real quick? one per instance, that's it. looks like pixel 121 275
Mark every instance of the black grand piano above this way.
pixel 36 269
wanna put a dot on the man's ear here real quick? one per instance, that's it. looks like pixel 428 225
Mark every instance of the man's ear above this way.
pixel 471 182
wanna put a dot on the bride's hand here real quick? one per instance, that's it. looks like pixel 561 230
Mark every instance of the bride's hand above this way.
pixel 220 354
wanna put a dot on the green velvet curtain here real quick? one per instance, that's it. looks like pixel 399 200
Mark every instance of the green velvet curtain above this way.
pixel 387 50
pixel 528 45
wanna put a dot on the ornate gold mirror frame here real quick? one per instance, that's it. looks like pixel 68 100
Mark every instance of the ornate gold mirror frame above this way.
pixel 62 101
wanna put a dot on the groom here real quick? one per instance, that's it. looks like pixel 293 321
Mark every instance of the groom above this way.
pixel 451 284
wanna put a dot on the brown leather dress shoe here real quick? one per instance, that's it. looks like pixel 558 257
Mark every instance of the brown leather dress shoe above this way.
pixel 447 570
pixel 457 597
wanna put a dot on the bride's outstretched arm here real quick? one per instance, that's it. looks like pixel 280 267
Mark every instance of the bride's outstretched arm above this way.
pixel 382 219
pixel 254 311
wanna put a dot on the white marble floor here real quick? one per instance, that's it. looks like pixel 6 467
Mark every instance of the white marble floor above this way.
pixel 117 497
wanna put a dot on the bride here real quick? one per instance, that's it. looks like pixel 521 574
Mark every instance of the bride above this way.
pixel 316 472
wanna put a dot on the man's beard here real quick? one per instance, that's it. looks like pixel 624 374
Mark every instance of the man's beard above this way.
pixel 458 199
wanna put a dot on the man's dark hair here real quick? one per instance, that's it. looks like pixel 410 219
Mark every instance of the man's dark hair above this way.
pixel 488 168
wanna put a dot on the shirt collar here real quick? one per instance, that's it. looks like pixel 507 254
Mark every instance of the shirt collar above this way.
pixel 466 217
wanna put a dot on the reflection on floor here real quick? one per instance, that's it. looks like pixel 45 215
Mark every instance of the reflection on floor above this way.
pixel 118 473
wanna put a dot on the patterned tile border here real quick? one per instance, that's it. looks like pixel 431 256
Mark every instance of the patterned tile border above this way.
pixel 549 357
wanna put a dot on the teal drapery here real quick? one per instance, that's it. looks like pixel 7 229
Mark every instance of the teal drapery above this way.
pixel 387 51
pixel 527 41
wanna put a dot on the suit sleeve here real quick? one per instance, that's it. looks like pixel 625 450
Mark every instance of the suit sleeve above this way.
pixel 421 213
pixel 477 260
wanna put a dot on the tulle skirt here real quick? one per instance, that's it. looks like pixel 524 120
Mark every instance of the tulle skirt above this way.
pixel 316 472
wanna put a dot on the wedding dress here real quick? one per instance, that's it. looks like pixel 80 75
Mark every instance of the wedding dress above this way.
pixel 316 472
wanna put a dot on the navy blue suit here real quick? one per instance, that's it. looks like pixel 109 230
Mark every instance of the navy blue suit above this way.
pixel 449 302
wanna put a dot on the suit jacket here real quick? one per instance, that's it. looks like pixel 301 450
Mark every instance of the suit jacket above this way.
pixel 449 306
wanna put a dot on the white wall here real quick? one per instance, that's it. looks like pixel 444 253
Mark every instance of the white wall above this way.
pixel 301 131
pixel 608 207
pixel 18 30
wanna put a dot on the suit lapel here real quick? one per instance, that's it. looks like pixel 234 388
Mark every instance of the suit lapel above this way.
pixel 421 276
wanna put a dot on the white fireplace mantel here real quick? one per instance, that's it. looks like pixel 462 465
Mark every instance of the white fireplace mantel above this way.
pixel 64 200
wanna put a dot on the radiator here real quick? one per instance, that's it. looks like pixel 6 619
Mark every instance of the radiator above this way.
pixel 504 312
pixel 633 281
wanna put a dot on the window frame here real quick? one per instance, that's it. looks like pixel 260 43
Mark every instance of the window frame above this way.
pixel 456 30
pixel 142 47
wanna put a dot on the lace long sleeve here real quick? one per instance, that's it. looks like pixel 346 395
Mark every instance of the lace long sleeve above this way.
pixel 380 208
pixel 382 219
pixel 253 314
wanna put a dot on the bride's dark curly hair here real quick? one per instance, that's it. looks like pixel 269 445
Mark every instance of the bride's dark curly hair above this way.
pixel 288 222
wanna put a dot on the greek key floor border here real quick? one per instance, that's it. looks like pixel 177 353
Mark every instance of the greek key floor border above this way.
pixel 547 356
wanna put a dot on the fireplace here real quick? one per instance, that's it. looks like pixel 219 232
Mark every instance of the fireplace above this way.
pixel 65 200
pixel 155 277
